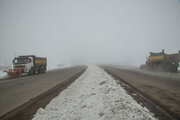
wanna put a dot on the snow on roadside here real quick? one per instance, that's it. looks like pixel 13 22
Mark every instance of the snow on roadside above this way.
pixel 94 96
pixel 3 74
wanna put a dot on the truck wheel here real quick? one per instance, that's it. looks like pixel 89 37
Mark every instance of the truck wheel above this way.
pixel 39 70
pixel 43 69
pixel 31 71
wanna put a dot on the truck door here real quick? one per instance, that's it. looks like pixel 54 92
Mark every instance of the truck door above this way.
pixel 29 64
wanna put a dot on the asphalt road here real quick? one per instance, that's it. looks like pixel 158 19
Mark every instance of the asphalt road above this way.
pixel 164 88
pixel 15 92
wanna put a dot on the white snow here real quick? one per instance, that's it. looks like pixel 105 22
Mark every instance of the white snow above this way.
pixel 3 74
pixel 94 96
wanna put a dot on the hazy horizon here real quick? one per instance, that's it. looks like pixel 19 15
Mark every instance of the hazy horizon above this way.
pixel 88 31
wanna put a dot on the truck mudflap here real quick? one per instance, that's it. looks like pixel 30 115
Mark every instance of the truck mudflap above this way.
pixel 14 73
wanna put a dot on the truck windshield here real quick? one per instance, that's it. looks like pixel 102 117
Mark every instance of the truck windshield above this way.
pixel 20 60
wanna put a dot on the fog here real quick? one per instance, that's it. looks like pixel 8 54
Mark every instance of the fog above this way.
pixel 75 32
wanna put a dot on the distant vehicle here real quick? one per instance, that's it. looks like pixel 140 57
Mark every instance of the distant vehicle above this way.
pixel 29 64
pixel 162 62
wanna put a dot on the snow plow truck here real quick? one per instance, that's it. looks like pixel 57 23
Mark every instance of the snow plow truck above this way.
pixel 29 64
pixel 162 62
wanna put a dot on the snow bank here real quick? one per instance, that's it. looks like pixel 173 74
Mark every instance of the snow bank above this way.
pixel 94 96
pixel 3 74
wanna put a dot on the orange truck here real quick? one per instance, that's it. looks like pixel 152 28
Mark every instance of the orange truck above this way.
pixel 29 64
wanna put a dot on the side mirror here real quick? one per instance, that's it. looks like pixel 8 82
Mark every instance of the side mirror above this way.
pixel 15 61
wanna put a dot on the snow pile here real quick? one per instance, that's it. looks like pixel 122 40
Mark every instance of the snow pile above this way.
pixel 3 74
pixel 94 96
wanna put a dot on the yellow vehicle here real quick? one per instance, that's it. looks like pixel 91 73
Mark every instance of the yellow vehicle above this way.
pixel 162 62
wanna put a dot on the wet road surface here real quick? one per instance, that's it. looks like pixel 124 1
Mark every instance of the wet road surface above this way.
pixel 164 88
pixel 17 91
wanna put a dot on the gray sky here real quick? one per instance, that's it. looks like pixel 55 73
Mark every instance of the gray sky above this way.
pixel 88 31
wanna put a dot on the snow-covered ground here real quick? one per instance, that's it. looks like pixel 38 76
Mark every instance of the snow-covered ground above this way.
pixel 3 74
pixel 94 96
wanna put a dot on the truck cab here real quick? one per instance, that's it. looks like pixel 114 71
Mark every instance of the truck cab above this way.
pixel 23 63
